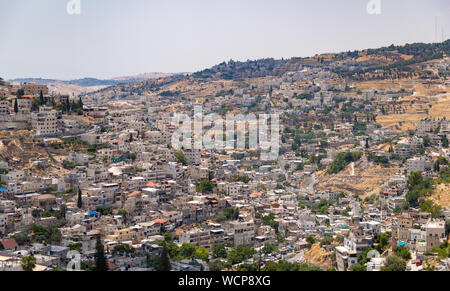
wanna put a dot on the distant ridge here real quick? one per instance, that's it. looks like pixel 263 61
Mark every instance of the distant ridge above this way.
pixel 90 82
pixel 85 82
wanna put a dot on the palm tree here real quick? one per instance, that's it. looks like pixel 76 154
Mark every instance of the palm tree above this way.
pixel 28 263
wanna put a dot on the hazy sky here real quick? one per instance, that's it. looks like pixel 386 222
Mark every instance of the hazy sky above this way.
pixel 110 38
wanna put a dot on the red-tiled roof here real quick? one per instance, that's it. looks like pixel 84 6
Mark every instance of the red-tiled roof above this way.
pixel 134 194
pixel 160 220
pixel 9 244
pixel 111 265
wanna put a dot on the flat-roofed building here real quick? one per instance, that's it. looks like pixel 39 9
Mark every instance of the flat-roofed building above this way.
pixel 34 89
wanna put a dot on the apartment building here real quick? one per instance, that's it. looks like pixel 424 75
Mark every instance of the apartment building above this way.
pixel 435 234
pixel 417 164
pixel 34 89
pixel 45 122
pixel 243 232
pixel 357 241
pixel 198 237
pixel 3 223
pixel 24 105
pixel 345 258
pixel 203 237
pixel 5 106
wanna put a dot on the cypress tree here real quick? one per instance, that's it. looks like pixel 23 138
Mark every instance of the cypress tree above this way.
pixel 80 200
pixel 63 211
pixel 164 260
pixel 68 105
pixel 16 107
pixel 20 93
pixel 100 259
pixel 41 98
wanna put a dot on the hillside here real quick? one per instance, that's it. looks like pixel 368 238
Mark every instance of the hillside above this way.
pixel 387 63
pixel 362 178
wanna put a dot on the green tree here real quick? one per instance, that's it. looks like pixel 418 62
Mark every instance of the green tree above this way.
pixel 181 157
pixel 430 207
pixel 168 236
pixel 187 251
pixel 439 162
pixel 283 266
pixel 201 253
pixel 394 263
pixel 239 254
pixel 418 188
pixel 383 242
pixel 28 263
pixel 217 266
pixel 426 141
pixel 36 213
pixel 123 249
pixel 75 247
pixel 445 141
pixel 342 160
pixel 49 234
pixel 205 186
pixel 403 252
pixel 310 239
pixel 219 251
pixel 270 221
pixel 414 179
pixel 359 268
pixel 122 212
pixel 100 258
pixel 20 93
pixel 248 267
pixel 269 248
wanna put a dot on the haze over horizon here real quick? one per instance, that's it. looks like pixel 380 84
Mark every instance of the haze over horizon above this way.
pixel 112 38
